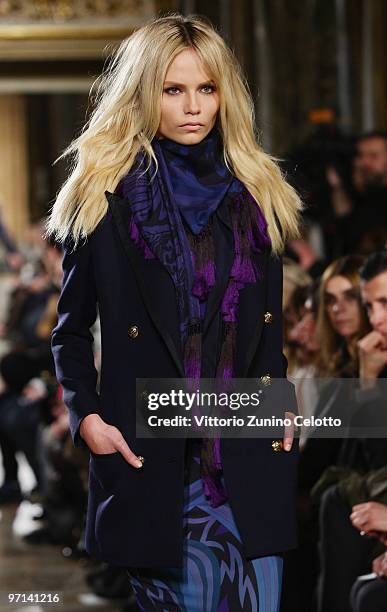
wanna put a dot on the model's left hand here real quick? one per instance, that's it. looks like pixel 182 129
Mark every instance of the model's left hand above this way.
pixel 289 431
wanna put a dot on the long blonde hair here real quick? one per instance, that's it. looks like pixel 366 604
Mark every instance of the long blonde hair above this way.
pixel 126 117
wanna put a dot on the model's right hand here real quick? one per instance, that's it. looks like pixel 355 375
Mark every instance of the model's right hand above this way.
pixel 103 439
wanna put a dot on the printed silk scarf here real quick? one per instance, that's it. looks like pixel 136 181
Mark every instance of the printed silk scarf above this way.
pixel 170 220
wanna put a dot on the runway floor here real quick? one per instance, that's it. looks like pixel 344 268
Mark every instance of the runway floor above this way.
pixel 40 568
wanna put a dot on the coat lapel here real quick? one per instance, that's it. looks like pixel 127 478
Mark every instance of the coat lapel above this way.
pixel 153 281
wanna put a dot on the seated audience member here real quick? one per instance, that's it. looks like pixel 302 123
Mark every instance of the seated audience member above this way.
pixel 373 346
pixel 341 322
pixel 31 312
pixel 367 222
pixel 12 258
pixel 302 346
pixel 371 158
pixel 66 468
pixel 20 420
pixel 305 251
pixel 370 595
pixel 341 319
pixel 303 341
pixel 295 279
pixel 338 535
pixel 371 412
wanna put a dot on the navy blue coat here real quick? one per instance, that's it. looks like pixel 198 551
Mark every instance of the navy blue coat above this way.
pixel 134 517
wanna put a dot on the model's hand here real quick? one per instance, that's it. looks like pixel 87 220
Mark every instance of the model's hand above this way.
pixel 103 439
pixel 379 565
pixel 289 431
pixel 370 517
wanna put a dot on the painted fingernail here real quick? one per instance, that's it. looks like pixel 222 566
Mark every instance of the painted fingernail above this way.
pixel 288 447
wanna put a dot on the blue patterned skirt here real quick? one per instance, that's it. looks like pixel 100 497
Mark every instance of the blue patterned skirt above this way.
pixel 215 576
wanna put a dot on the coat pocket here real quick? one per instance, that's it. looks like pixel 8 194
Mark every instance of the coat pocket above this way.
pixel 108 469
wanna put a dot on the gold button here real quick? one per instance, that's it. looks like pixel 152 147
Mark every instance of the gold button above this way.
pixel 133 331
pixel 277 445
pixel 268 317
pixel 265 380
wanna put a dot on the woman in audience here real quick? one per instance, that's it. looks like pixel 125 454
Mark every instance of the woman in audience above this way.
pixel 344 554
pixel 304 343
pixel 295 282
pixel 342 319
pixel 341 322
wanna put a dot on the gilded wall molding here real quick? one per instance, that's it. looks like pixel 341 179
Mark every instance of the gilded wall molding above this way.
pixel 62 11
pixel 55 29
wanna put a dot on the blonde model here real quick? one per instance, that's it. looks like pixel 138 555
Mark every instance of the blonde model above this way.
pixel 173 221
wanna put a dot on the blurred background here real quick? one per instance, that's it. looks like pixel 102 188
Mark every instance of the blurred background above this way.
pixel 317 70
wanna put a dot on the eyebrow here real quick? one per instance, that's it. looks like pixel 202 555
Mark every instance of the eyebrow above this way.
pixel 345 292
pixel 209 82
pixel 382 299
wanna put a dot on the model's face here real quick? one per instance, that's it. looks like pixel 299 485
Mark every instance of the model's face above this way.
pixel 342 306
pixel 190 102
pixel 374 294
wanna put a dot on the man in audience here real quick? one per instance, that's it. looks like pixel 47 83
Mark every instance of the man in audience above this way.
pixel 368 224
pixel 373 347
pixel 371 412
pixel 372 158
pixel 360 209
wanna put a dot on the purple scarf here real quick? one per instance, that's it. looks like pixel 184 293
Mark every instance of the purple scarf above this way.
pixel 170 220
